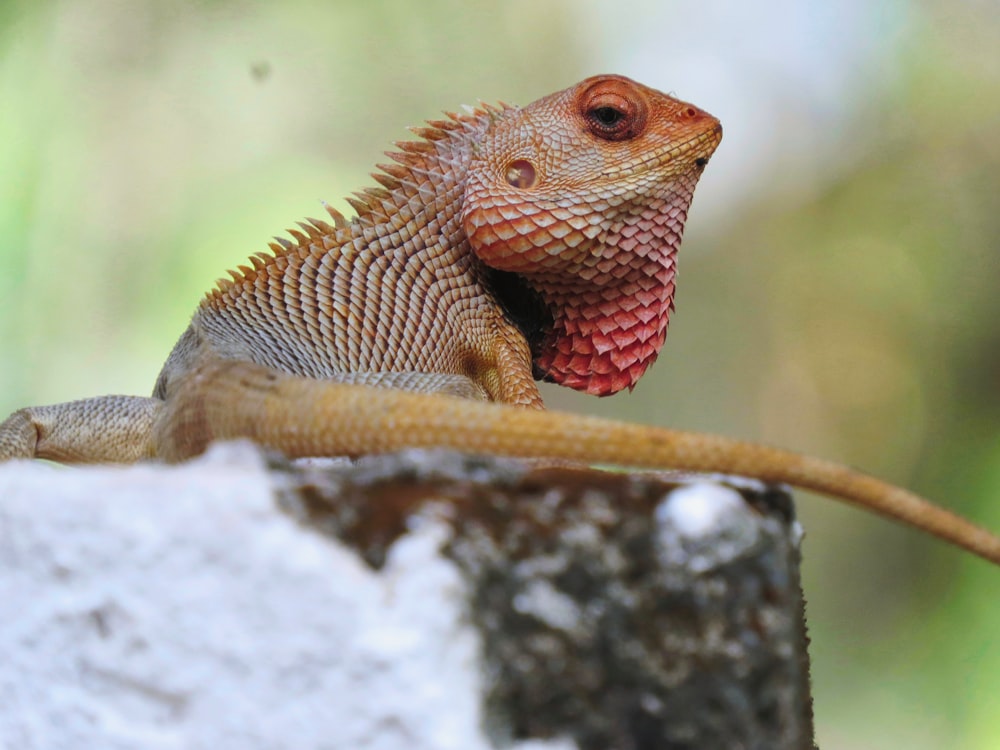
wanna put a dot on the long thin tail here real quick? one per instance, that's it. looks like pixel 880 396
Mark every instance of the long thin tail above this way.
pixel 305 417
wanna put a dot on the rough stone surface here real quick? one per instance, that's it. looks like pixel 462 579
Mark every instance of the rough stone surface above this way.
pixel 415 601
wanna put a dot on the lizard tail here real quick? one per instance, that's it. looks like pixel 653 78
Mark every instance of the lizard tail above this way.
pixel 305 417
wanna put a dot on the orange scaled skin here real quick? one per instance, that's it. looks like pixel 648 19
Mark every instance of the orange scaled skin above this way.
pixel 587 213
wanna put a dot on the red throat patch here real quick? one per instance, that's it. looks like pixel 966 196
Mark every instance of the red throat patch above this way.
pixel 605 337
pixel 609 286
pixel 611 309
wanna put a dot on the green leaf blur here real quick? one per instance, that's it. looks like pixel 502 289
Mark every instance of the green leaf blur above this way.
pixel 849 307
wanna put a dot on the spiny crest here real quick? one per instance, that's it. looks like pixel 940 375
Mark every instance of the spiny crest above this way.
pixel 423 157
pixel 339 220
pixel 309 233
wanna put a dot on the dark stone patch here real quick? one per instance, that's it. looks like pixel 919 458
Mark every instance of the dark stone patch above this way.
pixel 599 619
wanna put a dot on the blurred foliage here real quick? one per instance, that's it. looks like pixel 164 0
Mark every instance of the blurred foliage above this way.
pixel 144 148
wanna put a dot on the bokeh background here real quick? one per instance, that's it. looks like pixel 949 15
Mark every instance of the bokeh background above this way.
pixel 839 284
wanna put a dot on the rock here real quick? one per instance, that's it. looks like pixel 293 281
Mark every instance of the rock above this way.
pixel 422 600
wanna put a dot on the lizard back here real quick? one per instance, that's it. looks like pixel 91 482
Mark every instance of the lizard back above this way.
pixel 397 289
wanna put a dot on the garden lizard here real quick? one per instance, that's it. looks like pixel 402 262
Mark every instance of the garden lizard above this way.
pixel 504 245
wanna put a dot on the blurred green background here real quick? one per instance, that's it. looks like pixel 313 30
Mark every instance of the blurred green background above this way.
pixel 840 279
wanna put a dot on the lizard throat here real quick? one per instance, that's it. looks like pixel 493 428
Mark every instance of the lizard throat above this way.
pixel 608 299
pixel 604 337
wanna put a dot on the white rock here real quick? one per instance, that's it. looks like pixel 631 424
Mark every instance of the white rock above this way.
pixel 177 607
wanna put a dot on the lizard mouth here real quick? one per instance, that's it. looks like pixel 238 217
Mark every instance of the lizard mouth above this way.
pixel 701 146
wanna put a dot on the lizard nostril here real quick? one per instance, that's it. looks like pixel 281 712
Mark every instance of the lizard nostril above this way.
pixel 701 162
pixel 521 174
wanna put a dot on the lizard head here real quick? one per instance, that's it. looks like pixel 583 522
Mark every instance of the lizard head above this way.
pixel 583 195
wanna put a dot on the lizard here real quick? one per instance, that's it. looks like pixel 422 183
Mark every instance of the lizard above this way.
pixel 503 245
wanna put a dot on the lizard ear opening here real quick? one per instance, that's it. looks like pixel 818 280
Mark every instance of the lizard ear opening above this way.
pixel 614 110
pixel 521 174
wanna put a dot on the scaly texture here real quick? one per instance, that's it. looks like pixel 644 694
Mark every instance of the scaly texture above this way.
pixel 505 245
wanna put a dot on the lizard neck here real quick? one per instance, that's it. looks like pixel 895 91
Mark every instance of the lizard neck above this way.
pixel 607 286
pixel 610 319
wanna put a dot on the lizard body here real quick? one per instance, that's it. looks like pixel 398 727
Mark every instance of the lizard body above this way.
pixel 505 245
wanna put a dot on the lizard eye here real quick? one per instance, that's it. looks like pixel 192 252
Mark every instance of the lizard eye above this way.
pixel 607 117
pixel 613 111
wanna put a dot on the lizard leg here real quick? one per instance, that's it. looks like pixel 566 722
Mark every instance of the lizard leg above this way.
pixel 108 429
